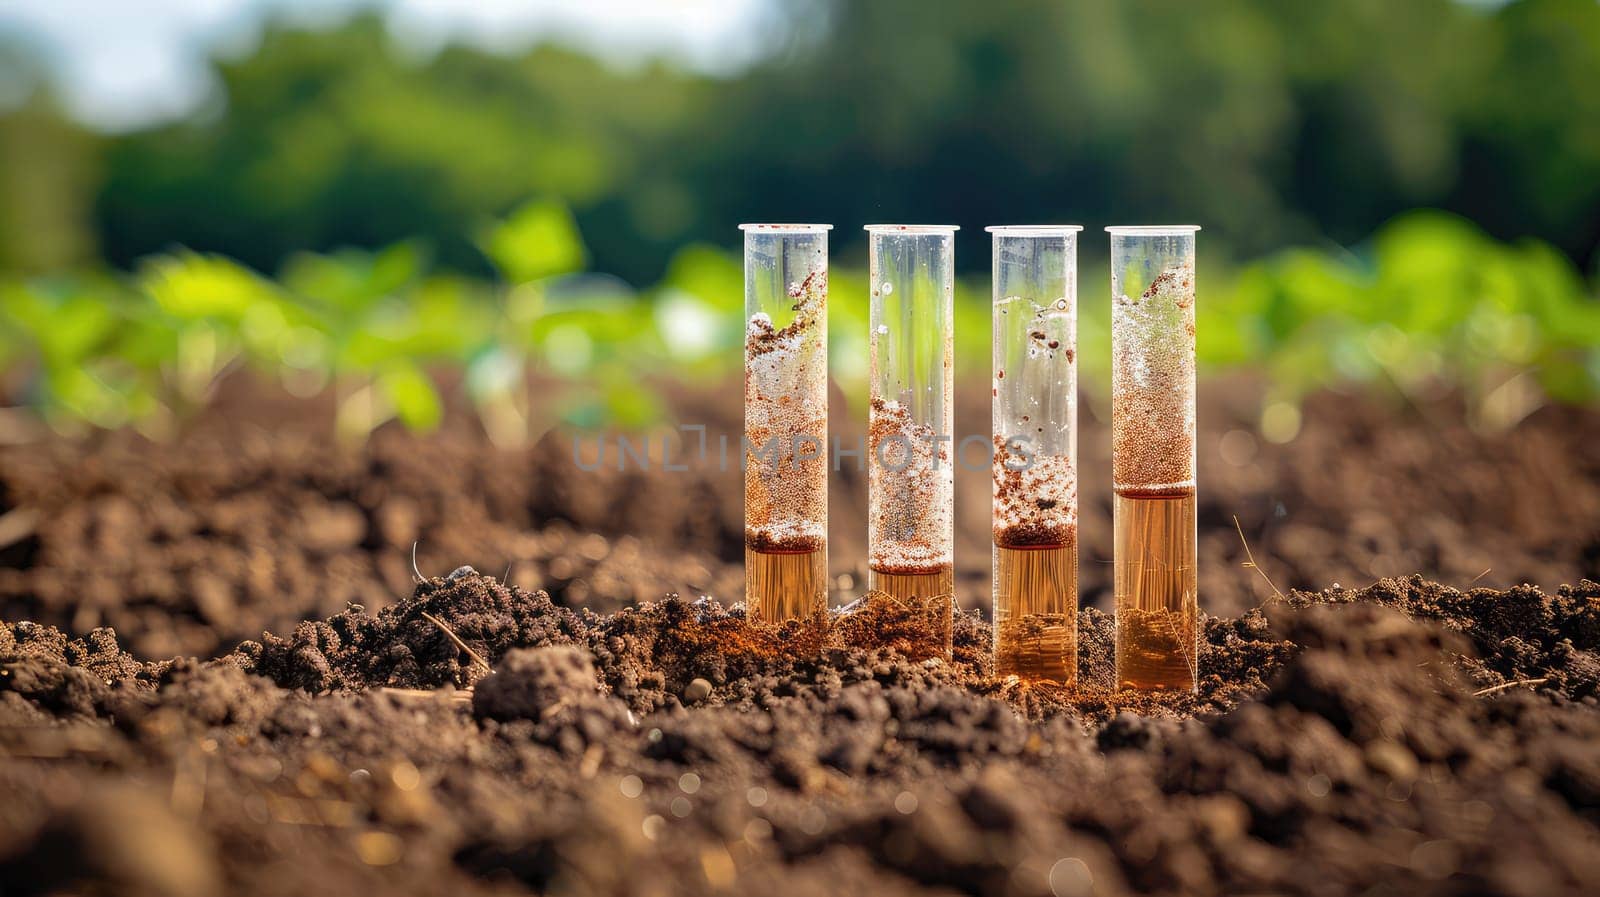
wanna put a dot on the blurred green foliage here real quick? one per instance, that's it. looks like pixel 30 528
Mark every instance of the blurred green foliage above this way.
pixel 1430 304
pixel 129 263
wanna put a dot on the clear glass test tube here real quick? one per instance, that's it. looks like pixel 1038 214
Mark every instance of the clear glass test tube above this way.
pixel 911 463
pixel 1035 424
pixel 786 421
pixel 1153 456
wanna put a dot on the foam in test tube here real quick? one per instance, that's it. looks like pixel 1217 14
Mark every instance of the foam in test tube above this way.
pixel 1035 462
pixel 786 421
pixel 911 463
pixel 1153 456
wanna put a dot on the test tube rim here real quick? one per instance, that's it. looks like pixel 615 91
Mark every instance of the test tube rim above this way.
pixel 911 229
pixel 1033 230
pixel 1152 230
pixel 787 228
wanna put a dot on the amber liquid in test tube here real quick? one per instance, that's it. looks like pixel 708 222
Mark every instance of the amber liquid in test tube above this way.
pixel 910 433
pixel 1036 452
pixel 1153 456
pixel 786 421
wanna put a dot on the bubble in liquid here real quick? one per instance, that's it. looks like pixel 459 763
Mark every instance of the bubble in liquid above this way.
pixel 886 288
pixel 1070 877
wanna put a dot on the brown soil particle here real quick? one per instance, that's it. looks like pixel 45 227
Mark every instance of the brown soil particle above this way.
pixel 1340 742
pixel 909 528
pixel 759 540
pixel 1035 498
pixel 811 297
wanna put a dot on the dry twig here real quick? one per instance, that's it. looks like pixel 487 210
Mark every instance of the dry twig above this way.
pixel 1505 685
pixel 459 696
pixel 1481 575
pixel 443 627
pixel 1250 560
pixel 1186 645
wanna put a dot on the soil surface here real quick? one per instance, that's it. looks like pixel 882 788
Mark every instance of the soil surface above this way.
pixel 519 733
pixel 251 520
pixel 480 738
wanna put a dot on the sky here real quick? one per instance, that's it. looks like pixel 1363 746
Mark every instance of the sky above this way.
pixel 124 64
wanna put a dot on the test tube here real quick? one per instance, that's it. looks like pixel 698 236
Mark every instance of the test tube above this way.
pixel 785 421
pixel 911 469
pixel 1153 456
pixel 1035 418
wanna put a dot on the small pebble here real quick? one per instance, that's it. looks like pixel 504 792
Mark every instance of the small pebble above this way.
pixel 697 691
pixel 379 848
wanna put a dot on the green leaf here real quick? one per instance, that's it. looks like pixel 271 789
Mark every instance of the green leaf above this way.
pixel 539 240
pixel 190 285
pixel 412 395
pixel 63 321
pixel 351 281
pixel 711 275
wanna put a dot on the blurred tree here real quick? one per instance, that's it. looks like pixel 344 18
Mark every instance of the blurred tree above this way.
pixel 1272 122
pixel 49 172
pixel 335 138
pixel 1531 161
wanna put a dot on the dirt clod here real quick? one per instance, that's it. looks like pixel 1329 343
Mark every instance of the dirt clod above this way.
pixel 531 683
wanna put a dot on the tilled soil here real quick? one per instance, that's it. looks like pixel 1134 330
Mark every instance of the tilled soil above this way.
pixel 189 548
pixel 252 520
pixel 1404 738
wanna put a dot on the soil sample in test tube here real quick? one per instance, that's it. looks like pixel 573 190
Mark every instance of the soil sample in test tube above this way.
pixel 1035 463
pixel 786 421
pixel 910 433
pixel 1153 456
